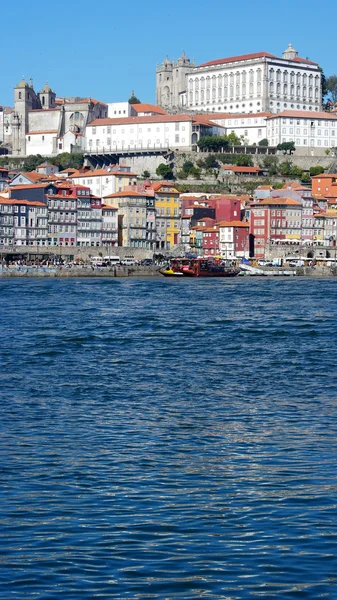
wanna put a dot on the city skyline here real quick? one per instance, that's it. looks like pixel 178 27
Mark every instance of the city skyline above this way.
pixel 108 58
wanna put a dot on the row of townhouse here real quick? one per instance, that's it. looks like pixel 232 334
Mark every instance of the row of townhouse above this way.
pixel 228 239
pixel 293 215
pixel 138 217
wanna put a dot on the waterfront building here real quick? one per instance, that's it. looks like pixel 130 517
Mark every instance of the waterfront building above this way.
pixel 109 226
pixel 168 214
pixel 135 229
pixel 250 83
pixel 210 241
pixel 303 195
pixel 233 239
pixel 307 129
pixel 23 223
pixel 277 221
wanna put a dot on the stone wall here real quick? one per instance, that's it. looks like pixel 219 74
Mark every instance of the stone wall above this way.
pixel 78 252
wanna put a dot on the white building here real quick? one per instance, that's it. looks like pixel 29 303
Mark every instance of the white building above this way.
pixel 103 182
pixel 252 128
pixel 306 129
pixel 166 131
pixel 257 82
pixel 109 226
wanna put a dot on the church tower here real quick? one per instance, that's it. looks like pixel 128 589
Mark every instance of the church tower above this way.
pixel 164 84
pixel 47 97
pixel 25 100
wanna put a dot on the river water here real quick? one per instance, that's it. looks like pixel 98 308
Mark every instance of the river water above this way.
pixel 168 439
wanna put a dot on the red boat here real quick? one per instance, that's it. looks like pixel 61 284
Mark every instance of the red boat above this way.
pixel 198 267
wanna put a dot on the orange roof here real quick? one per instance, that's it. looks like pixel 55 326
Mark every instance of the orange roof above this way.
pixel 100 173
pixel 232 224
pixel 237 169
pixel 104 207
pixel 148 108
pixel 278 201
pixel 149 119
pixel 157 185
pixel 13 201
pixel 42 132
pixel 231 59
pixel 30 186
pixel 304 114
pixel 129 194
pixel 211 229
pixel 238 115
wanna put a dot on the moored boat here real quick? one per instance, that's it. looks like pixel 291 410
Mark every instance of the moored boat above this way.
pixel 198 267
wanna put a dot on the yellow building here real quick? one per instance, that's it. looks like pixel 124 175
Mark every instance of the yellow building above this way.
pixel 168 214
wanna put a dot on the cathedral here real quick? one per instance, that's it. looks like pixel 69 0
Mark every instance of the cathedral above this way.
pixel 250 83
pixel 43 124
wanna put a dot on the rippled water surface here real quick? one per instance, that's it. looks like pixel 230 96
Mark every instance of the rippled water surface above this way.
pixel 168 439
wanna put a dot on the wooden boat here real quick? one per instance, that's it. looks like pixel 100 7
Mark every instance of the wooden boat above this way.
pixel 198 267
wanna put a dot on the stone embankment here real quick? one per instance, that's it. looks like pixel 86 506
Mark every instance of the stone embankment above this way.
pixel 67 272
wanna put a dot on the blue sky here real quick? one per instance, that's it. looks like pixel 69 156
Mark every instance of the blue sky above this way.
pixel 107 49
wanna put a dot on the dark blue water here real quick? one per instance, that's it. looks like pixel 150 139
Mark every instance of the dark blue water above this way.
pixel 168 439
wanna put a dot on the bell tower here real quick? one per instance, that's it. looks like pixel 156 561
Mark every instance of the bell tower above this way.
pixel 164 84
pixel 47 97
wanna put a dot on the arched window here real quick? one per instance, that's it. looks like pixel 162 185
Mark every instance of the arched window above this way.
pixel 291 90
pixel 196 83
pixel 271 87
pixel 244 76
pixel 43 100
pixel 251 75
pixel 285 76
pixel 251 88
pixel 244 90
pixel 271 74
pixel 259 74
pixel 202 83
pixel 231 91
pixel 298 90
pixel 285 89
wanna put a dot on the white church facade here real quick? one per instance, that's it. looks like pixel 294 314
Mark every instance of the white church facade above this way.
pixel 251 83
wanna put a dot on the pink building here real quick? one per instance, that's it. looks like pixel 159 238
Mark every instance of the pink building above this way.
pixel 210 241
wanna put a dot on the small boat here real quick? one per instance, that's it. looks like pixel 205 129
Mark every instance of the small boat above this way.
pixel 168 272
pixel 198 267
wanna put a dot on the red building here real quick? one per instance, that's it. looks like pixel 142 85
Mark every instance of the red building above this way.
pixel 276 221
pixel 233 239
pixel 227 208
pixel 324 185
pixel 210 241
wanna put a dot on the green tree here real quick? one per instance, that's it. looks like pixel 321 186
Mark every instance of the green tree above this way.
pixel 271 163
pixel 195 172
pixel 316 170
pixel 164 171
pixel 65 160
pixel 331 87
pixel 146 174
pixel 187 166
pixel 233 139
pixel 133 99
pixel 263 142
pixel 287 147
pixel 210 162
pixel 243 160
pixel 32 161
pixel 305 178
pixel 285 168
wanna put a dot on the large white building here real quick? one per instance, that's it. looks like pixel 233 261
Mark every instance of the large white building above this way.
pixel 306 129
pixel 148 132
pixel 251 83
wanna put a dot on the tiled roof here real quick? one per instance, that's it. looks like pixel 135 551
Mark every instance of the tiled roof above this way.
pixel 237 115
pixel 150 119
pixel 101 173
pixel 236 169
pixel 129 194
pixel 148 108
pixel 13 201
pixel 232 59
pixel 31 186
pixel 104 207
pixel 277 201
pixel 304 114
pixel 41 132
pixel 232 224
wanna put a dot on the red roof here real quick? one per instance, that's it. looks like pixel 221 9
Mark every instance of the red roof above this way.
pixel 231 59
pixel 148 108
pixel 152 119
pixel 236 169
pixel 305 114
pixel 130 194
pixel 232 224
pixel 13 201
